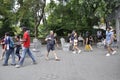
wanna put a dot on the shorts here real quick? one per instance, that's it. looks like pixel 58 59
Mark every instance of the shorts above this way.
pixel 50 47
pixel 108 44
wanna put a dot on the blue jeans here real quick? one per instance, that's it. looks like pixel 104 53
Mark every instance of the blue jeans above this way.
pixel 8 53
pixel 24 51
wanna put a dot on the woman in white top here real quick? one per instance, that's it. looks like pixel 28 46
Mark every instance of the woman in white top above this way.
pixel 75 45
pixel 80 39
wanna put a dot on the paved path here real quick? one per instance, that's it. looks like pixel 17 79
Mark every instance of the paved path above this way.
pixel 85 66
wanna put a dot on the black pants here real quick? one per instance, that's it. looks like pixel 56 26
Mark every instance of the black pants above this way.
pixel 18 52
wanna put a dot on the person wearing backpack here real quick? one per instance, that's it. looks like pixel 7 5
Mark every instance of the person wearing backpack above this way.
pixel 9 47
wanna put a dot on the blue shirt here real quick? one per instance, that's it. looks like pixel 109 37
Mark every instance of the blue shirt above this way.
pixel 108 35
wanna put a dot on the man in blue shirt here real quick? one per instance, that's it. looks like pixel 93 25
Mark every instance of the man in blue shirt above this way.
pixel 109 41
pixel 9 50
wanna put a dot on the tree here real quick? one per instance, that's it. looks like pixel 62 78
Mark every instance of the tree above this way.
pixel 38 13
pixel 7 16
pixel 78 14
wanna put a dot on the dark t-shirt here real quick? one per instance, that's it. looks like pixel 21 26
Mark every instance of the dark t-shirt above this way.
pixel 51 40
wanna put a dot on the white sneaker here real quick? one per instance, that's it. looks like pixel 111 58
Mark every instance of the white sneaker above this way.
pixel 79 51
pixel 107 54
pixel 113 52
pixel 17 66
pixel 74 52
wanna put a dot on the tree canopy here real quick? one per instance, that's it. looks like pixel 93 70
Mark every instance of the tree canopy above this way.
pixel 62 16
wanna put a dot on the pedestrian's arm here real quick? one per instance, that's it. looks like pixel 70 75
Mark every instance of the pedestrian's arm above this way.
pixel 46 39
pixel 112 38
pixel 5 46
pixel 23 40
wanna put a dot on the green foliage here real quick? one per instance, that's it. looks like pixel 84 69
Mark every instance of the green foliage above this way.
pixel 62 17
pixel 7 16
pixel 79 15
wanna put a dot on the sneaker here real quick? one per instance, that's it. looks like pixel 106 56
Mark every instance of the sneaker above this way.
pixel 91 50
pixel 34 63
pixel 13 64
pixel 46 58
pixel 74 52
pixel 5 65
pixel 113 52
pixel 107 54
pixel 17 66
pixel 79 51
pixel 57 59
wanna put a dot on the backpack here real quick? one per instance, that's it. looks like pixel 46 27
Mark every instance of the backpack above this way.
pixel 11 43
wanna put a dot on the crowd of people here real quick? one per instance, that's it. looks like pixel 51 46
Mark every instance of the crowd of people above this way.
pixel 77 41
pixel 11 47
pixel 8 46
pixel 108 38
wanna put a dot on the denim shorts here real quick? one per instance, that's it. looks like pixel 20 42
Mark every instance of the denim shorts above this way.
pixel 50 47
pixel 108 43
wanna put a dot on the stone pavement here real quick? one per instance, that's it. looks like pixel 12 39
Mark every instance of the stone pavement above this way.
pixel 85 66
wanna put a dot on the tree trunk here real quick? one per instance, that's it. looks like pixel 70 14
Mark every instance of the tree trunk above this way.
pixel 38 19
pixel 36 32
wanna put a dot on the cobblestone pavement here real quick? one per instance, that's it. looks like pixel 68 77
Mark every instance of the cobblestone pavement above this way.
pixel 84 66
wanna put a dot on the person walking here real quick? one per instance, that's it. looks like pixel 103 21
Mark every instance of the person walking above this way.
pixel 9 47
pixel 25 48
pixel 72 39
pixel 88 42
pixel 80 40
pixel 109 40
pixel 18 47
pixel 75 44
pixel 51 45
pixel 3 48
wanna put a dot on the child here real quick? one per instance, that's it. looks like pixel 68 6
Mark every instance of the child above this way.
pixel 18 47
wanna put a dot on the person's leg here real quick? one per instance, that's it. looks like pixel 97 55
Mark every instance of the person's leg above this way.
pixel 76 47
pixel 90 47
pixel 109 50
pixel 48 50
pixel 31 55
pixel 13 56
pixel 3 52
pixel 87 48
pixel 18 53
pixel 113 51
pixel 22 56
pixel 7 54
pixel 56 57
pixel 18 56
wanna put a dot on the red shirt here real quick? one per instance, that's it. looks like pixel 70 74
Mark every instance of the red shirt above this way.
pixel 26 36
